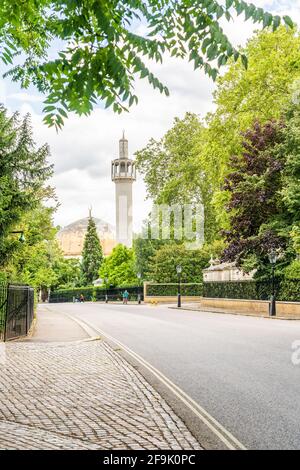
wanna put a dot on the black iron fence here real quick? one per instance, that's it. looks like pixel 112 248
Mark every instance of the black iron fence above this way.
pixel 96 294
pixel 16 310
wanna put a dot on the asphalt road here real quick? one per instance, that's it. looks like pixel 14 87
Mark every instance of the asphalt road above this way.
pixel 238 368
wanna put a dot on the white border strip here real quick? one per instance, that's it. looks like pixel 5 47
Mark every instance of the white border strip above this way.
pixel 231 442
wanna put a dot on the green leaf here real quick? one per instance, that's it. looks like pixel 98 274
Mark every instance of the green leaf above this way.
pixel 288 21
pixel 244 61
pixel 268 18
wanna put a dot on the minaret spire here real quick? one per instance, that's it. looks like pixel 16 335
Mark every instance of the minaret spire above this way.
pixel 123 174
pixel 123 147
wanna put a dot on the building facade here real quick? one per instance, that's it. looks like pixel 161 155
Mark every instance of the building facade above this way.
pixel 71 237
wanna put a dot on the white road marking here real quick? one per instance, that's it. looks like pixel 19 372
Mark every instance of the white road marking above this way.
pixel 225 436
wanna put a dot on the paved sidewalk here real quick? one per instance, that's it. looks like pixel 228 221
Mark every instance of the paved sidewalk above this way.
pixel 80 395
pixel 197 307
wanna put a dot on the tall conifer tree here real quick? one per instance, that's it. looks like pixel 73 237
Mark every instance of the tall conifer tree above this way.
pixel 92 255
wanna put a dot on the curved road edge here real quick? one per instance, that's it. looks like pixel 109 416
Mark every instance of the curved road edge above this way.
pixel 207 430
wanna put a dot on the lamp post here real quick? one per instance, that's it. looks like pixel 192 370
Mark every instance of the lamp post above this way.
pixel 139 276
pixel 273 258
pixel 21 237
pixel 179 270
pixel 106 296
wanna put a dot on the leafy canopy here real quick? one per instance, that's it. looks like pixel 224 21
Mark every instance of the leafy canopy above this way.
pixel 174 172
pixel 92 254
pixel 119 267
pixel 102 52
pixel 264 203
pixel 162 266
pixel 23 172
pixel 34 261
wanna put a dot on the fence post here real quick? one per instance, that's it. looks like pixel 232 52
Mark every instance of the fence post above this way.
pixel 6 312
pixel 28 308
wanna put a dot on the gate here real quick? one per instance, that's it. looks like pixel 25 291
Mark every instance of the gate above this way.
pixel 16 311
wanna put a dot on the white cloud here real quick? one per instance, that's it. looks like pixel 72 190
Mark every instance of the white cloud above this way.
pixel 25 97
pixel 83 150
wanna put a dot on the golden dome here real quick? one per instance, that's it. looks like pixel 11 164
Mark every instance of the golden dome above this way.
pixel 71 237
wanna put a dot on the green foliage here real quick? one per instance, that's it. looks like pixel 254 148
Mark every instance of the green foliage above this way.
pixel 174 171
pixel 295 235
pixel 290 150
pixel 34 261
pixel 144 249
pixel 264 208
pixel 262 92
pixel 191 161
pixel 163 264
pixel 101 54
pixel 258 208
pixel 68 272
pixel 69 294
pixel 286 290
pixel 293 270
pixel 119 267
pixel 92 254
pixel 23 172
pixel 290 289
pixel 163 290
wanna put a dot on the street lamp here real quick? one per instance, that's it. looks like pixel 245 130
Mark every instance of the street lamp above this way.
pixel 273 259
pixel 106 296
pixel 179 270
pixel 21 237
pixel 139 276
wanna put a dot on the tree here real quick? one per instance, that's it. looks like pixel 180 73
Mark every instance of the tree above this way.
pixel 144 249
pixel 163 264
pixel 261 92
pixel 174 172
pixel 34 261
pixel 23 172
pixel 259 219
pixel 290 148
pixel 102 52
pixel 118 268
pixel 68 272
pixel 92 254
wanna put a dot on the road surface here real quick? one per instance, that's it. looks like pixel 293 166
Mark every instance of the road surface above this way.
pixel 238 368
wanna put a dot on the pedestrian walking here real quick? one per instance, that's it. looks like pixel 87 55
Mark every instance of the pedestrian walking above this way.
pixel 125 297
pixel 81 298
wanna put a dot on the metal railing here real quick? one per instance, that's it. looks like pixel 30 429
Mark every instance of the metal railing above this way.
pixel 16 311
pixel 112 294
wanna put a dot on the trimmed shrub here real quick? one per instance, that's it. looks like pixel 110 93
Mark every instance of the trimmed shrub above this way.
pixel 290 290
pixel 286 290
pixel 164 290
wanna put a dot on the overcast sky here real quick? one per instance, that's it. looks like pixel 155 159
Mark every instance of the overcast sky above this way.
pixel 83 150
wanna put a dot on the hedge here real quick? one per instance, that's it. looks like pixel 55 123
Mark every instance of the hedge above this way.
pixel 93 293
pixel 290 290
pixel 193 290
pixel 286 290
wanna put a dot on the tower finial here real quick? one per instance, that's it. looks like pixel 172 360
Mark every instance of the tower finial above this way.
pixel 90 212
pixel 123 137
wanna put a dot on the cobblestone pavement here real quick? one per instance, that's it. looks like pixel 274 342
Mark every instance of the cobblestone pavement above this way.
pixel 81 395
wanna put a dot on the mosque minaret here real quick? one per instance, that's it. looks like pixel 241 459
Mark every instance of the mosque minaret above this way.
pixel 123 174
